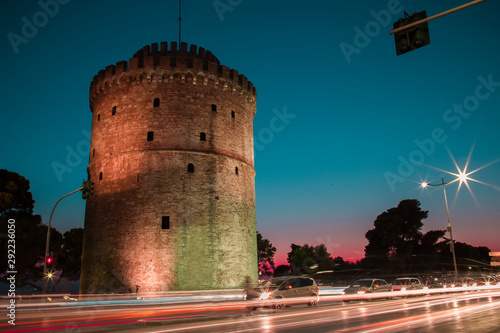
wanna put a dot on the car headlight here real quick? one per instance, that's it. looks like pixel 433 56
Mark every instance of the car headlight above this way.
pixel 264 296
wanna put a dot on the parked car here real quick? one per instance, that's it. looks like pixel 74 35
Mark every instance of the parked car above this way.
pixel 487 281
pixel 278 290
pixel 363 286
pixel 436 282
pixel 406 283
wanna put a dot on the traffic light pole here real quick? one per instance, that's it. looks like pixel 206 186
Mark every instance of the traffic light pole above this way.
pixel 47 242
pixel 456 9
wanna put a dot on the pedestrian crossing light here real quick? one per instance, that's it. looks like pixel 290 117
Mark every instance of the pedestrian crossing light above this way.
pixel 414 37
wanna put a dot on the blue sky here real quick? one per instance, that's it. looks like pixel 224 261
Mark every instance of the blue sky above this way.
pixel 350 119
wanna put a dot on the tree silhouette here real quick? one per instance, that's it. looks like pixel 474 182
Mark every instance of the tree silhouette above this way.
pixel 16 203
pixel 282 270
pixel 69 258
pixel 307 259
pixel 265 252
pixel 396 233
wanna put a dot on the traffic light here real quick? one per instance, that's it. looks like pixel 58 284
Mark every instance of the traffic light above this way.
pixel 414 37
pixel 50 261
pixel 87 189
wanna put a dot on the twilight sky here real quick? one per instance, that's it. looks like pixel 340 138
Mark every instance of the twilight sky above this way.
pixel 344 130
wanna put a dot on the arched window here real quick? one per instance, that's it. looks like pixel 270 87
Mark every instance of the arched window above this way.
pixel 236 170
pixel 203 136
pixel 156 102
pixel 190 167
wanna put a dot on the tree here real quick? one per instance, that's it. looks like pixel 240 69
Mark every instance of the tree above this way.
pixel 265 253
pixel 426 255
pixel 466 255
pixel 290 254
pixel 282 270
pixel 15 196
pixel 16 204
pixel 397 231
pixel 69 258
pixel 309 259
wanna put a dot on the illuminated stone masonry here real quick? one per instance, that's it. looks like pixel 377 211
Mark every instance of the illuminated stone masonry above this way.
pixel 172 162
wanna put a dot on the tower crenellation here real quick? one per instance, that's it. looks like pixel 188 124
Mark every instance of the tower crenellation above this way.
pixel 160 64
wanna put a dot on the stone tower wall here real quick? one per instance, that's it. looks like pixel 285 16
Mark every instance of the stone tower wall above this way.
pixel 140 160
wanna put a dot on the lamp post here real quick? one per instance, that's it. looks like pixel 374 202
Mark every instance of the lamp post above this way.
pixel 451 240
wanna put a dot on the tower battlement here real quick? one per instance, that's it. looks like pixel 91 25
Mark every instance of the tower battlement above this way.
pixel 153 64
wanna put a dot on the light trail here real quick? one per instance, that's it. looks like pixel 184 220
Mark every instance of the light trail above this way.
pixel 132 316
pixel 336 314
pixel 423 318
pixel 87 317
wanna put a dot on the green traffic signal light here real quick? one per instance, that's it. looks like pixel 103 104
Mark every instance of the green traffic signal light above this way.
pixel 87 189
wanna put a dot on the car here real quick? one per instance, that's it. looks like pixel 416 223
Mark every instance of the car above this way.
pixel 436 282
pixel 406 283
pixel 363 286
pixel 486 281
pixel 275 292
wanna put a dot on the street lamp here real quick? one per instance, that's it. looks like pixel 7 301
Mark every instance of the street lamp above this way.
pixel 462 177
pixel 46 274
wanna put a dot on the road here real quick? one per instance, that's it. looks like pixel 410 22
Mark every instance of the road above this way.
pixel 471 311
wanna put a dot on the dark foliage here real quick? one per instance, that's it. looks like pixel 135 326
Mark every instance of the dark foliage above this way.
pixel 265 252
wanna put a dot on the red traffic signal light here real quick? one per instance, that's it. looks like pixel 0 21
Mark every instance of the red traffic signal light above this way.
pixel 50 260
